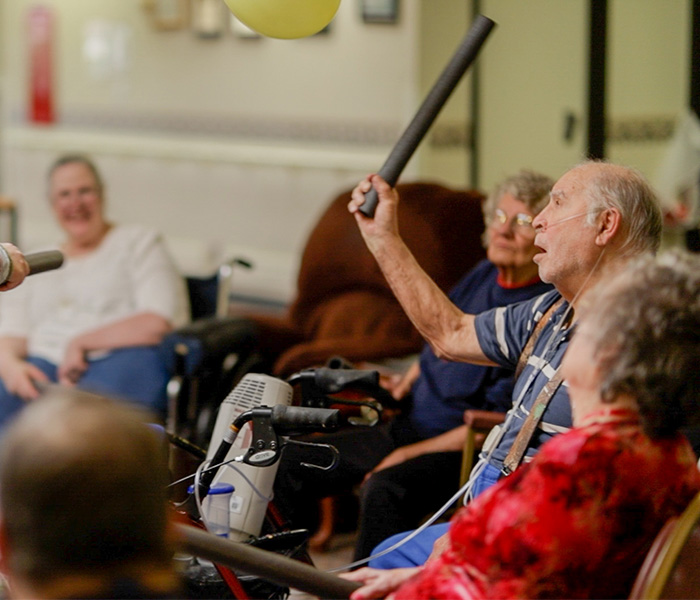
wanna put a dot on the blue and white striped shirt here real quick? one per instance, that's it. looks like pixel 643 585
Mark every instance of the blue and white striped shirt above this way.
pixel 503 333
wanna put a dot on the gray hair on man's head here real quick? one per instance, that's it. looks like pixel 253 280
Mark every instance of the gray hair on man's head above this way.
pixel 628 191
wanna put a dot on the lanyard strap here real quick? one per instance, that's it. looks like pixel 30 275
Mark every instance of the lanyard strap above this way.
pixel 522 440
pixel 534 336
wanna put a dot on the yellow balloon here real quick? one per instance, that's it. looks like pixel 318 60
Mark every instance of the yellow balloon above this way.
pixel 285 19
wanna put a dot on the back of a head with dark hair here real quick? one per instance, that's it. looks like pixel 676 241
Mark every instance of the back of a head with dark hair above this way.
pixel 644 324
pixel 82 488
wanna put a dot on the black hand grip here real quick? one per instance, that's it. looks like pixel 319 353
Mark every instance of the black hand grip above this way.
pixel 332 381
pixel 433 103
pixel 44 261
pixel 287 420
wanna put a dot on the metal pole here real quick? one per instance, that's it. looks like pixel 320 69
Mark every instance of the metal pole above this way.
pixel 596 78
pixel 261 563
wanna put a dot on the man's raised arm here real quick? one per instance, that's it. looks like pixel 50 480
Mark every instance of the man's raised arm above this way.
pixel 448 330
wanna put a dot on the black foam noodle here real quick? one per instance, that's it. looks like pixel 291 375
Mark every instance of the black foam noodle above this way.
pixel 428 111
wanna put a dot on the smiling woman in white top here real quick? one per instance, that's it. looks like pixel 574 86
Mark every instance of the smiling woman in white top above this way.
pixel 96 322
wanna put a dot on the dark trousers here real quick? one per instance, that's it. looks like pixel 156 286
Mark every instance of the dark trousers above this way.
pixel 399 498
pixel 298 488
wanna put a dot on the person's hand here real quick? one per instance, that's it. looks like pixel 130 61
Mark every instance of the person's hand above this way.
pixel 385 221
pixel 19 269
pixel 396 384
pixel 439 546
pixel 74 364
pixel 396 457
pixel 399 385
pixel 19 376
pixel 378 583
pixel 392 384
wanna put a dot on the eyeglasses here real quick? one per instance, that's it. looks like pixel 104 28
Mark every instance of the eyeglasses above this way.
pixel 521 223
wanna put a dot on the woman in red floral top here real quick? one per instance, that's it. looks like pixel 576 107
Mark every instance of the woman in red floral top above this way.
pixel 579 519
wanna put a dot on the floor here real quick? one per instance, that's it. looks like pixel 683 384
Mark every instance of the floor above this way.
pixel 338 554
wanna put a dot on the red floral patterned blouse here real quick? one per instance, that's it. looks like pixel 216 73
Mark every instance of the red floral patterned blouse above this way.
pixel 576 522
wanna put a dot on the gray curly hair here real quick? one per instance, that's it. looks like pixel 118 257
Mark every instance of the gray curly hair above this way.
pixel 644 325
pixel 529 187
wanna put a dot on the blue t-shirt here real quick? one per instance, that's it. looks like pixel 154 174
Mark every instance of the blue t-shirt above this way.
pixel 503 334
pixel 445 389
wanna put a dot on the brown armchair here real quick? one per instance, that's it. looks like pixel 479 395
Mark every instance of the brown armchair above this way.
pixel 344 305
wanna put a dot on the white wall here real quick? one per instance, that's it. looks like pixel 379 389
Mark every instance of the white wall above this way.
pixel 226 145
pixel 235 145
pixel 649 76
pixel 534 72
pixel 444 155
pixel 176 73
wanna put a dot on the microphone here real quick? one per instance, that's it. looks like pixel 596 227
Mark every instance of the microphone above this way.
pixel 39 262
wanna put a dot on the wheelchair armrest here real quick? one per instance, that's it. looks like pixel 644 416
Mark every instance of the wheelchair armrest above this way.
pixel 482 420
pixel 479 423
pixel 207 341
